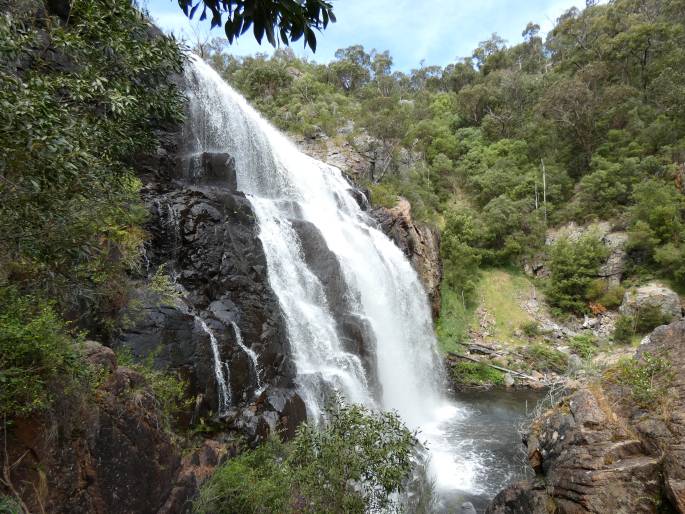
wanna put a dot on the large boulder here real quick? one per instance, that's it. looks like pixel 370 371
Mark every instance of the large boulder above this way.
pixel 652 295
pixel 419 242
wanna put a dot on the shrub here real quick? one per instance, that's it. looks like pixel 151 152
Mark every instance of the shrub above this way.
pixel 168 389
pixel 596 289
pixel 383 195
pixel 573 267
pixel 648 378
pixel 164 286
pixel 71 218
pixel 624 329
pixel 531 328
pixel 9 505
pixel 355 463
pixel 476 374
pixel 39 359
pixel 649 317
pixel 612 298
pixel 584 345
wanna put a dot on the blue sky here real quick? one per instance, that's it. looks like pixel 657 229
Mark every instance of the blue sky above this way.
pixel 437 31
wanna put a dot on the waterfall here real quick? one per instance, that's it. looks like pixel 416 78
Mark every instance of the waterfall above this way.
pixel 291 192
pixel 252 356
pixel 219 367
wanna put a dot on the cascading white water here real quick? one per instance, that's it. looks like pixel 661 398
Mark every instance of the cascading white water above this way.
pixel 254 360
pixel 219 367
pixel 283 184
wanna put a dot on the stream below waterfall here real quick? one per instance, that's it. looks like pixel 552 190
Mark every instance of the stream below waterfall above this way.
pixel 488 444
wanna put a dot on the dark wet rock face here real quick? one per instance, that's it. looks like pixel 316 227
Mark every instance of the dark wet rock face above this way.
pixel 204 235
pixel 599 452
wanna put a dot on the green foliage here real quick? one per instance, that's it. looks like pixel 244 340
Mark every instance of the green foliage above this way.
pixel 286 20
pixel 353 464
pixel 649 317
pixel 612 297
pixel 71 211
pixel 475 374
pixel 455 317
pixel 162 285
pixel 255 482
pixel 604 119
pixel 624 329
pixel 658 229
pixel 531 328
pixel 573 266
pixel 169 390
pixel 584 345
pixel 9 505
pixel 460 259
pixel 648 378
pixel 543 357
pixel 38 357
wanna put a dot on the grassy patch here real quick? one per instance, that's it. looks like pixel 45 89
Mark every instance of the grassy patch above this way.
pixel 455 317
pixel 168 389
pixel 500 293
pixel 584 345
pixel 545 358
pixel 476 374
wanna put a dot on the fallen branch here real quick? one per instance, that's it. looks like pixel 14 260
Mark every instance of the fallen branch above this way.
pixel 500 368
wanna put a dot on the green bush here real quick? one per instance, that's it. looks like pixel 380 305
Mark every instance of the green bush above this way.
pixel 649 317
pixel 573 268
pixel 9 505
pixel 531 328
pixel 584 345
pixel 354 464
pixel 624 329
pixel 71 213
pixel 476 374
pixel 612 297
pixel 39 359
pixel 648 378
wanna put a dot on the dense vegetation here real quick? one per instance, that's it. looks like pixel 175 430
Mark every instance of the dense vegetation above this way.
pixel 588 124
pixel 352 465
pixel 79 97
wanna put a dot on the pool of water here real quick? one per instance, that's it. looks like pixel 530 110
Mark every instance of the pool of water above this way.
pixel 488 445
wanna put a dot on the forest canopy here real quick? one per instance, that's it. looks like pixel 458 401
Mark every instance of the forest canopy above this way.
pixel 594 114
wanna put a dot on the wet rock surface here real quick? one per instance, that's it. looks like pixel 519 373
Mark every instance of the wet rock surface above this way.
pixel 598 451
pixel 205 238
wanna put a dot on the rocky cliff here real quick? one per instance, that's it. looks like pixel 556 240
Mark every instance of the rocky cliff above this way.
pixel 601 450
pixel 419 242
pixel 204 235
pixel 105 454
